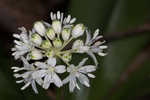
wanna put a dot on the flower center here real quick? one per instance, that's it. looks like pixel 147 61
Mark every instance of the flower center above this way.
pixel 51 69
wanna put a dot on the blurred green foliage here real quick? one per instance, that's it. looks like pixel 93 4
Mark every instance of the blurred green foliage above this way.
pixel 110 16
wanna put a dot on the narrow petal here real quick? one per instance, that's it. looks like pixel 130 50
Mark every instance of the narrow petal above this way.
pixel 57 80
pixel 25 86
pixel 66 80
pixel 84 80
pixel 60 69
pixel 47 81
pixel 72 85
pixel 87 68
pixel 34 87
pixel 91 75
pixel 40 65
pixel 39 74
pixel 93 57
pixel 82 62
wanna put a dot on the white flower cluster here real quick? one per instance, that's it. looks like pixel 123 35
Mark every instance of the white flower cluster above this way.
pixel 46 45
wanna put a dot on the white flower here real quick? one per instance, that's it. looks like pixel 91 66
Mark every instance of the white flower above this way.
pixel 39 28
pixel 27 76
pixel 48 71
pixel 95 45
pixel 78 30
pixel 35 54
pixel 79 47
pixel 36 39
pixel 23 44
pixel 79 72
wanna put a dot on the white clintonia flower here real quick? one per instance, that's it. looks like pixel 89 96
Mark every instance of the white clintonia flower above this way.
pixel 48 71
pixel 61 40
pixel 27 75
pixel 23 44
pixel 81 73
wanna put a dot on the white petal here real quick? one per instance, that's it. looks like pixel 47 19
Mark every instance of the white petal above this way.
pixel 25 86
pixel 82 62
pixel 34 87
pixel 91 75
pixel 102 54
pixel 51 61
pixel 60 69
pixel 58 15
pixel 47 81
pixel 72 20
pixel 93 57
pixel 78 30
pixel 57 80
pixel 88 37
pixel 40 65
pixel 103 47
pixel 87 68
pixel 66 80
pixel 39 74
pixel 84 80
pixel 72 84
pixel 39 81
pixel 26 64
pixel 96 34
pixel 68 19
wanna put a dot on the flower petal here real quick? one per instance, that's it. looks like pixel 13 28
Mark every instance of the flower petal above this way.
pixel 57 80
pixel 47 81
pixel 84 80
pixel 51 61
pixel 60 69
pixel 82 62
pixel 87 68
pixel 41 65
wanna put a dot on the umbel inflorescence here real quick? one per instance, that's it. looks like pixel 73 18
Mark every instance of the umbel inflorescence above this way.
pixel 43 48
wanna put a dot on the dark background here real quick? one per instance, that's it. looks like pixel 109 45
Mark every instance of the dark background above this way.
pixel 124 74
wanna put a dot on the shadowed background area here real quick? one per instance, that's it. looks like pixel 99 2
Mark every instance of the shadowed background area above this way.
pixel 124 74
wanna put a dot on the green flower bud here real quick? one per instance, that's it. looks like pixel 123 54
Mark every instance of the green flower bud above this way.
pixel 35 54
pixel 36 39
pixel 46 44
pixel 67 57
pixel 50 53
pixel 57 43
pixel 66 34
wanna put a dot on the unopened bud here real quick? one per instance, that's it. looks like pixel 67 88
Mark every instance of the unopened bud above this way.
pixel 78 30
pixel 39 28
pixel 66 34
pixel 36 39
pixel 35 54
pixel 46 44
pixel 67 57
pixel 50 33
pixel 57 43
pixel 56 25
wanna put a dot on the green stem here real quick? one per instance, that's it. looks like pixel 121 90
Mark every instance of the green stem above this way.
pixel 65 43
